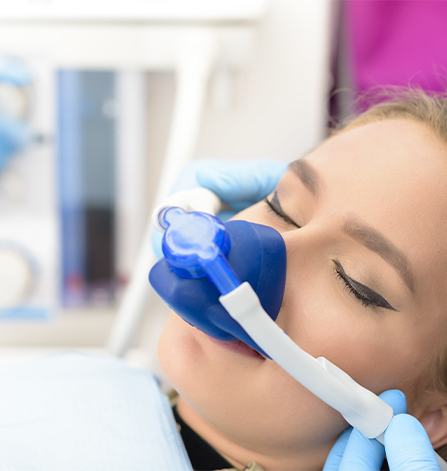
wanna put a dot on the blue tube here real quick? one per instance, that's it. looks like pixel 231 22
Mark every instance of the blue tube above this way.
pixel 195 245
pixel 221 274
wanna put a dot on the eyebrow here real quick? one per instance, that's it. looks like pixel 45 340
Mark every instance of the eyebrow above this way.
pixel 371 238
pixel 307 174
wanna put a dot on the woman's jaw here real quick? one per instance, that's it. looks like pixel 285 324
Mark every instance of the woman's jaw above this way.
pixel 214 411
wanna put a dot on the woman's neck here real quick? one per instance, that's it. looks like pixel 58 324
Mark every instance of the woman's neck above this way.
pixel 239 457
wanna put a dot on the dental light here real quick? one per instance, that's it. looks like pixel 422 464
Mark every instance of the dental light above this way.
pixel 204 256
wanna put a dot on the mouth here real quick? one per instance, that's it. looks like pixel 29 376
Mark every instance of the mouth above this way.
pixel 239 347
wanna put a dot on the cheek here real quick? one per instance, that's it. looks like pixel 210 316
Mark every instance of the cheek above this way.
pixel 378 349
pixel 176 349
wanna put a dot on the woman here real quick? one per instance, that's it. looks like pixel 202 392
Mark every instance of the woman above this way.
pixel 362 218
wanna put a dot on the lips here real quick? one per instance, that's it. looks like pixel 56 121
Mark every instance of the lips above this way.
pixel 238 347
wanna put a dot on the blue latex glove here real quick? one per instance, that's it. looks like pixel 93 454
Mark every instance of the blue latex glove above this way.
pixel 407 445
pixel 238 184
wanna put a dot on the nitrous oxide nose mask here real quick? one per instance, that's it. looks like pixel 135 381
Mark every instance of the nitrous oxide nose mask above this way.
pixel 205 258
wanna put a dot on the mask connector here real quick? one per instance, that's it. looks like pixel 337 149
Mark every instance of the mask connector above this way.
pixel 196 245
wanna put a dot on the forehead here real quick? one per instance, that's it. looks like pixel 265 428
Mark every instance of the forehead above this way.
pixel 393 175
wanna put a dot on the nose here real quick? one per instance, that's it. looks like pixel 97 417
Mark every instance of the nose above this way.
pixel 306 248
pixel 307 240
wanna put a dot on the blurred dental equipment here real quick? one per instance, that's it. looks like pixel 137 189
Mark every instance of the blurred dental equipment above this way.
pixel 15 133
pixel 241 266
pixel 19 267
pixel 17 276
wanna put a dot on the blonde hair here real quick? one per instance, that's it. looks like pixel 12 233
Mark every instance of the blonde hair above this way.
pixel 410 103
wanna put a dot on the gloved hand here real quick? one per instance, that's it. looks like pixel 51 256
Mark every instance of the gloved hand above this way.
pixel 238 184
pixel 407 445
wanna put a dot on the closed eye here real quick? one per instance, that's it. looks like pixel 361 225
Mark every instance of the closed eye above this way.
pixel 365 295
pixel 275 206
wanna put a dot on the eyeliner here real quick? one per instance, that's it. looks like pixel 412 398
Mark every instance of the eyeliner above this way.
pixel 276 207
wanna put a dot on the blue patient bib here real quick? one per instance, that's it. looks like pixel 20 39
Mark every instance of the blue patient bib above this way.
pixel 76 412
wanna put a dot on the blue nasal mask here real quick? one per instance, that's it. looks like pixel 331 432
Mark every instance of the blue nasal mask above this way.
pixel 205 258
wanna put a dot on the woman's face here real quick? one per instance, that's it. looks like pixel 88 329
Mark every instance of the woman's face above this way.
pixel 365 231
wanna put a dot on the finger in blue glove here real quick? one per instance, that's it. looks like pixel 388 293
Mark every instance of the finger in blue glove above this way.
pixel 363 454
pixel 408 447
pixel 336 454
pixel 358 452
pixel 240 184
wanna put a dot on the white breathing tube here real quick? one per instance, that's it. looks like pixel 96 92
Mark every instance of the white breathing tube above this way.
pixel 361 408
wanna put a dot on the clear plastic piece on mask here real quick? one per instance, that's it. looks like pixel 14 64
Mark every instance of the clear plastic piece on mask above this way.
pixel 195 245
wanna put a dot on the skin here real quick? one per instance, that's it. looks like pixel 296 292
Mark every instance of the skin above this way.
pixel 391 175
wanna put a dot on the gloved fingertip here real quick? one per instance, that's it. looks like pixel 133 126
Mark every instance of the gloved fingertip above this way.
pixel 336 453
pixel 280 168
pixel 204 173
pixel 210 171
pixel 362 454
pixel 396 399
pixel 247 180
pixel 186 179
pixel 407 443
pixel 407 423
pixel 218 182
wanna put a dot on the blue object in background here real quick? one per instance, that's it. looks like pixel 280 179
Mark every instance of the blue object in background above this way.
pixel 70 186
pixel 15 133
pixel 86 183
pixel 257 255
pixel 98 144
pixel 14 71
pixel 14 136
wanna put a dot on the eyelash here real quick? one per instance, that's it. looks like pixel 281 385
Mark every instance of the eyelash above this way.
pixel 278 212
pixel 364 300
pixel 338 269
